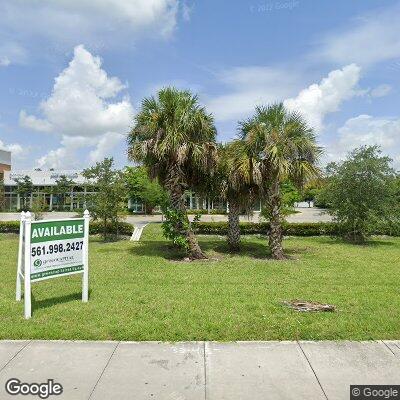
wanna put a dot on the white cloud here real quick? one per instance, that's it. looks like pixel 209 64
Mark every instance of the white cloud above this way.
pixel 318 100
pixel 367 130
pixel 16 149
pixel 32 122
pixel 65 157
pixel 251 86
pixel 4 61
pixel 61 158
pixel 11 53
pixel 82 109
pixel 381 90
pixel 371 39
pixel 78 104
pixel 62 23
pixel 106 142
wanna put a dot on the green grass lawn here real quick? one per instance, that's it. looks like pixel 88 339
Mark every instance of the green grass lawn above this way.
pixel 139 292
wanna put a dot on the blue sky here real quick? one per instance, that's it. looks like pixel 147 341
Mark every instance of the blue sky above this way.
pixel 73 73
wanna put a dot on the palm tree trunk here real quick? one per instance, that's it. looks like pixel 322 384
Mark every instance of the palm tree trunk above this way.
pixel 195 252
pixel 233 226
pixel 275 231
pixel 178 203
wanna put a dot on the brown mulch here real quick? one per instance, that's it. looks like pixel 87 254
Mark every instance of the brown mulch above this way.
pixel 309 306
pixel 189 260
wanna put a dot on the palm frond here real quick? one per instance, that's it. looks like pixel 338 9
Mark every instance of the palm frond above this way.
pixel 173 129
pixel 282 142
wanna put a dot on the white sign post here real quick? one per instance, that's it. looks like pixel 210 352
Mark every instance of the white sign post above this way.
pixel 52 248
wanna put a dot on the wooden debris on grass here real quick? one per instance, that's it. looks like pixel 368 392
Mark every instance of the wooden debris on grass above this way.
pixel 309 306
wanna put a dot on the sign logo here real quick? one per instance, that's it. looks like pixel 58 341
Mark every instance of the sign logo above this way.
pixel 37 263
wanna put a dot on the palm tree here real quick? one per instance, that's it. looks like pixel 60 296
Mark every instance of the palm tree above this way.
pixel 237 178
pixel 175 138
pixel 285 147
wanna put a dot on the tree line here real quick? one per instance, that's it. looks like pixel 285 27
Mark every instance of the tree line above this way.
pixel 274 158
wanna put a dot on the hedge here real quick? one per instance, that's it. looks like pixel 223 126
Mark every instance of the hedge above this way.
pixel 95 227
pixel 205 212
pixel 289 229
pixel 194 212
pixel 389 229
pixel 221 228
pixel 9 226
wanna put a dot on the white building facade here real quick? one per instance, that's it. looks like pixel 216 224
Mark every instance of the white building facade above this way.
pixel 44 183
pixel 43 187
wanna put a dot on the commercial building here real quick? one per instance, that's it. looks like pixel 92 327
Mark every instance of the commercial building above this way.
pixel 43 184
pixel 45 181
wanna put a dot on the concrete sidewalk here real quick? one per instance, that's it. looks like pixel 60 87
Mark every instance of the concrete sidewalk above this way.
pixel 200 370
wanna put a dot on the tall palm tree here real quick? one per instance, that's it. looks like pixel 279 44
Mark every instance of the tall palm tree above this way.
pixel 285 147
pixel 175 138
pixel 237 178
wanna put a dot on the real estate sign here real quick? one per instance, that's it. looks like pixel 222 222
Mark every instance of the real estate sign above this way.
pixel 56 248
pixel 50 249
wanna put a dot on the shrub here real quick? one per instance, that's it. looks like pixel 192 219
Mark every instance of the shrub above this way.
pixel 246 228
pixel 310 229
pixel 290 229
pixel 389 228
pixel 219 211
pixel 174 226
pixel 141 188
pixel 38 207
pixel 361 192
pixel 9 226
pixel 195 212
pixel 107 199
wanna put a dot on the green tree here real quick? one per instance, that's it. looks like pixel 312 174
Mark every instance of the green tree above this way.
pixel 236 179
pixel 107 200
pixel 310 194
pixel 285 148
pixel 142 188
pixel 397 190
pixel 24 189
pixel 290 196
pixel 361 192
pixel 62 188
pixel 38 207
pixel 174 137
